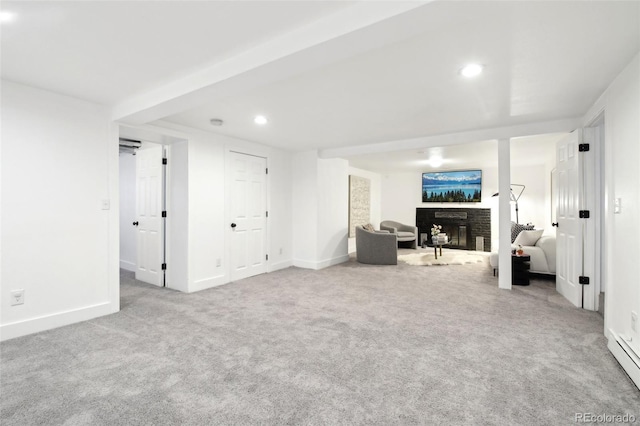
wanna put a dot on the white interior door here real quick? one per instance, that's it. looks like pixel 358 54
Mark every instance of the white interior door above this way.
pixel 149 196
pixel 248 210
pixel 569 234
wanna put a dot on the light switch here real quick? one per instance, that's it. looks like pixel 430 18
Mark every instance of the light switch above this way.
pixel 617 205
pixel 106 204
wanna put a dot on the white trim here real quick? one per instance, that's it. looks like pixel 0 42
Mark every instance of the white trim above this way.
pixel 321 264
pixel 167 220
pixel 60 319
pixel 595 136
pixel 596 111
pixel 591 299
pixel 163 137
pixel 629 361
pixel 306 264
pixel 127 266
pixel 333 261
pixel 113 227
pixel 279 265
pixel 210 282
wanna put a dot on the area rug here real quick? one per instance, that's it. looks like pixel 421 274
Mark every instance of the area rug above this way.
pixel 457 257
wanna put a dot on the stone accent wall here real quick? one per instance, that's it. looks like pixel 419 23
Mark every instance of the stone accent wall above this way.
pixel 477 222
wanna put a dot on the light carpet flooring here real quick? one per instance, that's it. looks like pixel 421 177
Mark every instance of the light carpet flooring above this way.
pixel 427 257
pixel 350 344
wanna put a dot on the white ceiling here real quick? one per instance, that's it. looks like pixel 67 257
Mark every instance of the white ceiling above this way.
pixel 544 61
pixel 107 51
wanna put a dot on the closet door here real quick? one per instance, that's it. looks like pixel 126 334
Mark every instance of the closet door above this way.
pixel 149 196
pixel 247 214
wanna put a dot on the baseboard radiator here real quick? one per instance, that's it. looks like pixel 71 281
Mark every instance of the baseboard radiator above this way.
pixel 626 355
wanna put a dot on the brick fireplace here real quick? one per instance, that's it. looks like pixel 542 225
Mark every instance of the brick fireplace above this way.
pixel 465 227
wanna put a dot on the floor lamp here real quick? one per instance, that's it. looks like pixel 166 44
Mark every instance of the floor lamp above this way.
pixel 514 197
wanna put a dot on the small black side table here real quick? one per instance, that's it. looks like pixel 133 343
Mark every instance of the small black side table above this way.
pixel 520 269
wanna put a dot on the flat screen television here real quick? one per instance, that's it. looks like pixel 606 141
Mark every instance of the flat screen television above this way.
pixel 463 186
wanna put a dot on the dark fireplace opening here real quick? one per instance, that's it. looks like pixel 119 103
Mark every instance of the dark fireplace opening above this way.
pixel 457 234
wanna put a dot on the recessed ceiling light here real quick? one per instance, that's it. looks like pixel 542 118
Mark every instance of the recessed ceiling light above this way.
pixel 260 119
pixel 435 161
pixel 7 16
pixel 471 70
pixel 216 122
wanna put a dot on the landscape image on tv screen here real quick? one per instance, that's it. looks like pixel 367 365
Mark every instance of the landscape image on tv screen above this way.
pixel 452 187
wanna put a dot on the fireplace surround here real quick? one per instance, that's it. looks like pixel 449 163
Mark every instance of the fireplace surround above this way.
pixel 465 227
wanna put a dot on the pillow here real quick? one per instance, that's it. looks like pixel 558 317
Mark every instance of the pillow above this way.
pixel 516 228
pixel 369 227
pixel 528 238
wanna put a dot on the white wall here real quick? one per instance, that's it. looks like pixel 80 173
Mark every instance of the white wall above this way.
pixel 128 255
pixel 199 165
pixel 333 211
pixel 401 194
pixel 535 202
pixel 279 198
pixel 305 208
pixel 206 213
pixel 178 217
pixel 320 211
pixel 375 206
pixel 622 180
pixel 59 161
pixel 280 210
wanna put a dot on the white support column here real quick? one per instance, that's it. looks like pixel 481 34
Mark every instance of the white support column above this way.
pixel 504 188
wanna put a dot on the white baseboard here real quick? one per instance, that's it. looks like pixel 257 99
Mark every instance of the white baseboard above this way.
pixel 333 261
pixel 306 264
pixel 210 282
pixel 321 264
pixel 629 361
pixel 48 322
pixel 127 266
pixel 280 265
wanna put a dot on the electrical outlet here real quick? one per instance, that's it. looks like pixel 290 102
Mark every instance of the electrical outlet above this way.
pixel 617 206
pixel 218 262
pixel 280 250
pixel 634 321
pixel 17 297
pixel 106 204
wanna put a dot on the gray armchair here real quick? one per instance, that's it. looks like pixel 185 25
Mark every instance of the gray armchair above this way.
pixel 376 248
pixel 405 233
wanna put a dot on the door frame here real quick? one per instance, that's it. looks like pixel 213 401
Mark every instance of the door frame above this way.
pixel 155 135
pixel 227 208
pixel 596 136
